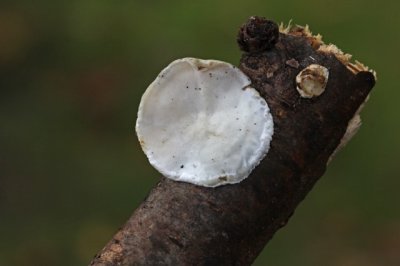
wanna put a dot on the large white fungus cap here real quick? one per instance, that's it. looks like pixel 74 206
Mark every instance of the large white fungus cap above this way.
pixel 200 122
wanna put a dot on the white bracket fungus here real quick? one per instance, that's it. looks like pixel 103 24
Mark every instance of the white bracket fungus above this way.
pixel 311 81
pixel 200 122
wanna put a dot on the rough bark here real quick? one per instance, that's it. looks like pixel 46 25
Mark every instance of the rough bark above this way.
pixel 184 224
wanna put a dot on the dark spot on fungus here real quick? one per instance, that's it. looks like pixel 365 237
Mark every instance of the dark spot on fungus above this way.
pixel 223 178
pixel 182 166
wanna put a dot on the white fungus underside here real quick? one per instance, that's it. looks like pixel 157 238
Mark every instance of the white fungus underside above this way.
pixel 199 122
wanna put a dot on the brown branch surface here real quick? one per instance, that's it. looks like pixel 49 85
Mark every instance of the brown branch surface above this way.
pixel 184 224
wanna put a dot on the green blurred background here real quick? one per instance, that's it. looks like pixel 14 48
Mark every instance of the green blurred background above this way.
pixel 71 169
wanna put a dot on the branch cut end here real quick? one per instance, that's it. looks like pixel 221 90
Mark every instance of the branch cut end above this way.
pixel 319 45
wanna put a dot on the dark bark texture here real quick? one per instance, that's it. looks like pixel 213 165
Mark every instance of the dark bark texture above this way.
pixel 184 224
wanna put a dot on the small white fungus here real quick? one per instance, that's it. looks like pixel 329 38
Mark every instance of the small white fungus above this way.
pixel 200 122
pixel 312 80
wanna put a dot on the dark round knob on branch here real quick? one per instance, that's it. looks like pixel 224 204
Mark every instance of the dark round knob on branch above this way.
pixel 257 35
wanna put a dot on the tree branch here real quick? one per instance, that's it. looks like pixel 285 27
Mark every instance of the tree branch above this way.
pixel 184 224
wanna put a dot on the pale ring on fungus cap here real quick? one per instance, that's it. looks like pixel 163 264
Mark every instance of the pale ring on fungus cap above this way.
pixel 200 122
